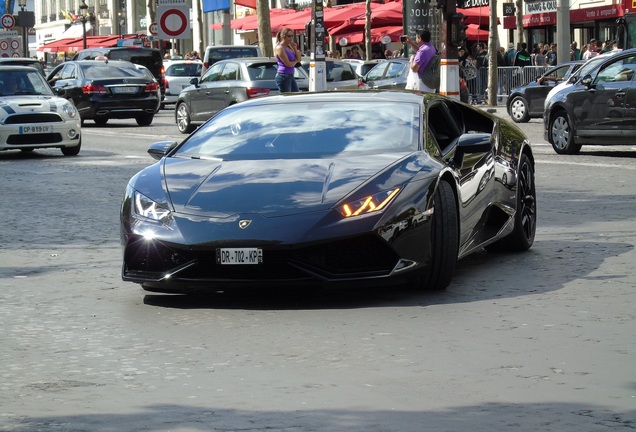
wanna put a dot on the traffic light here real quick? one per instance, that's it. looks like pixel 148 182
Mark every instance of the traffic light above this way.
pixel 458 29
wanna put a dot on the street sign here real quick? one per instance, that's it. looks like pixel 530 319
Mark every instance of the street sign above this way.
pixel 8 21
pixel 10 43
pixel 153 29
pixel 173 22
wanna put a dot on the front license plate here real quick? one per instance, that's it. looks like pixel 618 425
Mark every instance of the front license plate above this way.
pixel 231 256
pixel 36 129
pixel 125 90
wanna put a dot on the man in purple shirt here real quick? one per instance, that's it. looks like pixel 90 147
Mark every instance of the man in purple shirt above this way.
pixel 424 53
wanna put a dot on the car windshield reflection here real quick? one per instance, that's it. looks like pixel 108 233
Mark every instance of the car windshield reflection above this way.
pixel 305 130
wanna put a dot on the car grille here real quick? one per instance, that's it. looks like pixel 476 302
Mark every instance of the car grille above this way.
pixel 48 138
pixel 33 118
pixel 363 256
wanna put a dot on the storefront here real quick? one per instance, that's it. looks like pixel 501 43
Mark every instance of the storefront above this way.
pixel 599 22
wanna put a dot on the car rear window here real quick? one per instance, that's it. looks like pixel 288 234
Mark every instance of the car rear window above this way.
pixel 151 59
pixel 339 72
pixel 100 70
pixel 217 54
pixel 184 69
pixel 262 71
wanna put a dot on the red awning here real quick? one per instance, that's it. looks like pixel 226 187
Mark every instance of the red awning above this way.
pixel 76 44
pixel 477 15
pixel 55 46
pixel 474 33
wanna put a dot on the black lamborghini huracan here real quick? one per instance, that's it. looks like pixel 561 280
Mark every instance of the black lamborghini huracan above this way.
pixel 329 188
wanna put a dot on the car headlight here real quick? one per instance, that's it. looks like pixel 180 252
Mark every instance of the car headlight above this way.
pixel 69 110
pixel 149 209
pixel 370 204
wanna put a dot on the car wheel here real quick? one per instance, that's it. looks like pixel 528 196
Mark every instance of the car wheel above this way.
pixel 26 150
pixel 444 243
pixel 519 110
pixel 162 106
pixel 144 120
pixel 100 120
pixel 561 135
pixel 522 235
pixel 72 151
pixel 182 116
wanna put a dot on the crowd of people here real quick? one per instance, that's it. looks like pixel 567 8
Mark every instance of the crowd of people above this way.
pixel 473 62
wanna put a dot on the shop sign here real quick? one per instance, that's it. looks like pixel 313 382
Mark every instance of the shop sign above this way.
pixel 533 7
pixel 467 4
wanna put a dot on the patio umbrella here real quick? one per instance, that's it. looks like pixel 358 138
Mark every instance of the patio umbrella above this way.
pixel 474 33
pixel 377 33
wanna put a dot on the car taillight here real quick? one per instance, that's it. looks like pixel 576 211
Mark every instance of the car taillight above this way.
pixel 256 92
pixel 94 89
pixel 166 83
pixel 152 87
pixel 163 77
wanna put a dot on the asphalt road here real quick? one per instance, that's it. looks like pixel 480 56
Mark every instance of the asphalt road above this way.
pixel 539 341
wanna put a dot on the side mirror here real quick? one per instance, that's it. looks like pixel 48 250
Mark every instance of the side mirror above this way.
pixel 587 81
pixel 160 149
pixel 472 143
pixel 195 81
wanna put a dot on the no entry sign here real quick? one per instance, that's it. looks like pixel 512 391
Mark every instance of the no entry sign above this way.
pixel 173 22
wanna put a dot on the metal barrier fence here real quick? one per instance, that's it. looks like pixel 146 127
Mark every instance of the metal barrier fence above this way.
pixel 508 78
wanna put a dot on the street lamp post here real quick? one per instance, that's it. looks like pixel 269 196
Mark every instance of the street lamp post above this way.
pixel 83 18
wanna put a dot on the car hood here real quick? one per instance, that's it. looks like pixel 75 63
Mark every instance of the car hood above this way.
pixel 275 187
pixel 26 104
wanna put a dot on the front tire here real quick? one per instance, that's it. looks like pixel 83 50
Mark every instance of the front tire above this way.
pixel 72 151
pixel 445 239
pixel 100 121
pixel 561 135
pixel 182 116
pixel 522 236
pixel 519 110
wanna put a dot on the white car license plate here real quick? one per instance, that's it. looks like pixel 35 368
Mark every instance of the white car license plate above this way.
pixel 125 90
pixel 231 256
pixel 36 129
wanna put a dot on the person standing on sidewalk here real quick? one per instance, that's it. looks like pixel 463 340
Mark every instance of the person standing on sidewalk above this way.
pixel 287 55
pixel 423 55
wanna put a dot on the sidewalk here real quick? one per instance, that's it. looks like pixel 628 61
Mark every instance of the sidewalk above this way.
pixel 499 110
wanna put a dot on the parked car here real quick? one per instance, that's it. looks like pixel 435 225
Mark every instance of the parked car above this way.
pixel 361 67
pixel 148 57
pixel 526 102
pixel 302 189
pixel 389 74
pixel 214 54
pixel 340 74
pixel 596 109
pixel 179 73
pixel 32 116
pixel 105 89
pixel 226 83
pixel 22 61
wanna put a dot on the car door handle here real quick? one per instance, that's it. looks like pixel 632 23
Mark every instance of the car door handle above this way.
pixel 620 94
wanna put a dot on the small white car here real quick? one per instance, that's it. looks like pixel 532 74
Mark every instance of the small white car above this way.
pixel 32 117
pixel 178 75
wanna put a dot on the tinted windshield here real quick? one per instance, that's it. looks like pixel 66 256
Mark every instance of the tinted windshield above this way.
pixel 306 130
pixel 23 83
